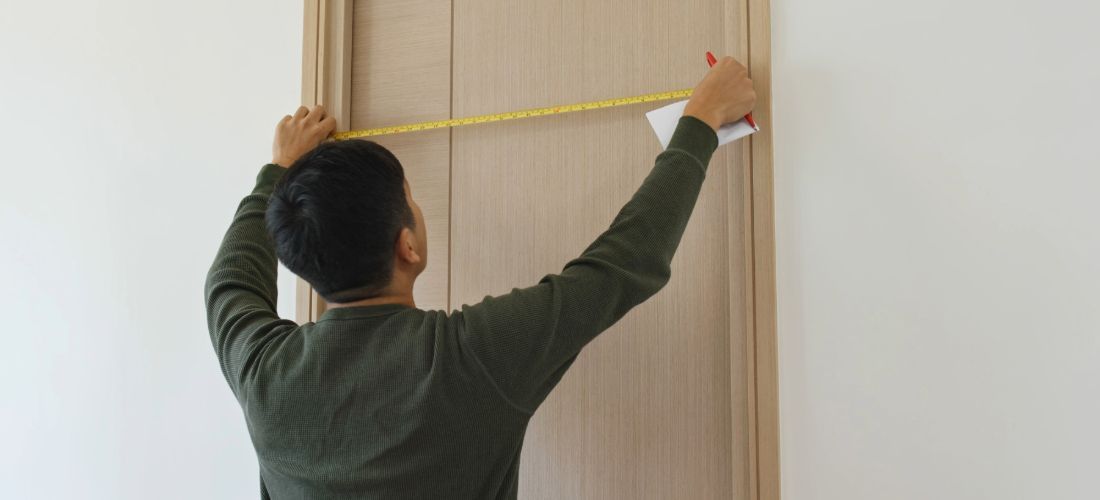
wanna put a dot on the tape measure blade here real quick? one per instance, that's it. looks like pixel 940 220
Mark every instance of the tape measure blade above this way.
pixel 511 115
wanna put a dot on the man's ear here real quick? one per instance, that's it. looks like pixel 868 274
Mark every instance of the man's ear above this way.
pixel 406 247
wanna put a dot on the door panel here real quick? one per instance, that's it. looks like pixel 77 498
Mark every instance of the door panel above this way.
pixel 646 411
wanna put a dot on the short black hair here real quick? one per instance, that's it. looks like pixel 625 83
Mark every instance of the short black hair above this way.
pixel 335 217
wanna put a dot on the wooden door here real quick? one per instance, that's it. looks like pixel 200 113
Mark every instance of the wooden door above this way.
pixel 677 399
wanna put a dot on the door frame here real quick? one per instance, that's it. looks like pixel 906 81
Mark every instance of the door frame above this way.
pixel 326 79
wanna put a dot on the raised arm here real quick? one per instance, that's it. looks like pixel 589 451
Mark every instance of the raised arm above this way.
pixel 526 339
pixel 240 287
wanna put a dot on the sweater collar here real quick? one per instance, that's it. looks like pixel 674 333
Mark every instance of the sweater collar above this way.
pixel 362 311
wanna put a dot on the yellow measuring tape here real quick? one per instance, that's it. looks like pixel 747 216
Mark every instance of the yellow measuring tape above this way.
pixel 512 115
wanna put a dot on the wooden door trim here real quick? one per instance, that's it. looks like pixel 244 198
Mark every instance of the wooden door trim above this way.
pixel 761 335
pixel 326 79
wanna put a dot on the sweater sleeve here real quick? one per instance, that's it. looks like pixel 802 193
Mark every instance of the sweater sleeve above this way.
pixel 525 340
pixel 240 289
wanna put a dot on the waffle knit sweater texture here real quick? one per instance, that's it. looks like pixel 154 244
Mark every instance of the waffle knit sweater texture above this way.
pixel 391 401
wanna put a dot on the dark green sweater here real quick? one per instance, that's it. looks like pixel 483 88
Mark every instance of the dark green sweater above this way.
pixel 393 402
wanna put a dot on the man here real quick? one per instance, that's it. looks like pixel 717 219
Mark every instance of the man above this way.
pixel 379 399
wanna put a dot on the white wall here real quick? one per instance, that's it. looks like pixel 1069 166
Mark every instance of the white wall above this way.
pixel 937 205
pixel 131 129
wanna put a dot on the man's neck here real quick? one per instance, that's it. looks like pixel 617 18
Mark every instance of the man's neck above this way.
pixel 399 291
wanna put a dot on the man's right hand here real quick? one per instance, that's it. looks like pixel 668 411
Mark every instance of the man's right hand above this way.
pixel 299 134
pixel 724 96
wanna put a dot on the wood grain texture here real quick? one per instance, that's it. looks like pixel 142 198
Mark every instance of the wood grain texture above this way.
pixel 765 343
pixel 401 72
pixel 334 82
pixel 650 409
pixel 743 295
pixel 739 211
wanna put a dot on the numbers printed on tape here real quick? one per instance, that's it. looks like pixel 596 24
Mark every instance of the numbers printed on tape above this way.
pixel 513 115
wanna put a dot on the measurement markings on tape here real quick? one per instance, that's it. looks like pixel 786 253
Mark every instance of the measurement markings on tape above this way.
pixel 511 115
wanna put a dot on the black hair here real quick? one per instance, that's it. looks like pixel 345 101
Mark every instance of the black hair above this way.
pixel 335 217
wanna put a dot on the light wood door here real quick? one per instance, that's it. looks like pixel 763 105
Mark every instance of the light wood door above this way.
pixel 667 403
pixel 647 410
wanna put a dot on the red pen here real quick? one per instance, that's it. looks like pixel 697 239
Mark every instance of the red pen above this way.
pixel 711 60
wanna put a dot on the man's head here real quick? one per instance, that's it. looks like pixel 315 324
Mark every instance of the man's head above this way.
pixel 344 220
